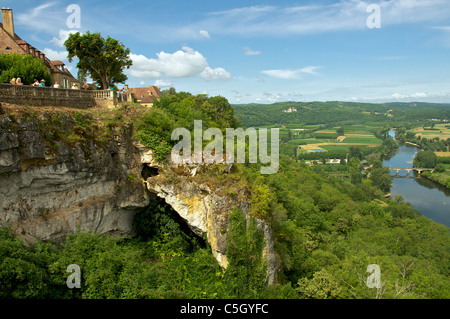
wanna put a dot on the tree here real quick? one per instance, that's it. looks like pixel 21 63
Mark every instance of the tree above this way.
pixel 321 286
pixel 355 152
pixel 440 168
pixel 24 67
pixel 381 178
pixel 425 159
pixel 356 176
pixel 262 199
pixel 410 135
pixel 246 272
pixel 104 60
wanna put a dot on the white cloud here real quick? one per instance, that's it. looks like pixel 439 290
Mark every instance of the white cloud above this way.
pixel 310 70
pixel 180 64
pixel 442 28
pixel 55 55
pixel 217 74
pixel 438 97
pixel 287 74
pixel 204 34
pixel 419 95
pixel 332 17
pixel 163 83
pixel 63 36
pixel 42 18
pixel 399 96
pixel 249 51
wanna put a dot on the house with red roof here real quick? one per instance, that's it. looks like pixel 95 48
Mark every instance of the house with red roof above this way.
pixel 144 95
pixel 10 43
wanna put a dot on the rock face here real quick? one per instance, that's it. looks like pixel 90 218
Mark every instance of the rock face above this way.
pixel 47 192
pixel 207 211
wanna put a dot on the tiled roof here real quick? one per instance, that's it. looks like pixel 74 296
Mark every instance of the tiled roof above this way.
pixel 53 67
pixel 141 92
pixel 147 99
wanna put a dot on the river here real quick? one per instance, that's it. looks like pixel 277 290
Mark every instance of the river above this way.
pixel 426 196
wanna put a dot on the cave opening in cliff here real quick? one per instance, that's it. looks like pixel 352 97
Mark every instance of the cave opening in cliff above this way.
pixel 148 171
pixel 159 221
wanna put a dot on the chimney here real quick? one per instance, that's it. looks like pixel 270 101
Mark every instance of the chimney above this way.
pixel 8 22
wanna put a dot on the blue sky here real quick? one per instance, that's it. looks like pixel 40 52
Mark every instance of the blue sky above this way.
pixel 264 51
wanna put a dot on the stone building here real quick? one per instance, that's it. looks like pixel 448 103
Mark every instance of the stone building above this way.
pixel 10 43
pixel 144 95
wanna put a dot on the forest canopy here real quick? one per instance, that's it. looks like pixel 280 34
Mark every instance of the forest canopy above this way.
pixel 327 230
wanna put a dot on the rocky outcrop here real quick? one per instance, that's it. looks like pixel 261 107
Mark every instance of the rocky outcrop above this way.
pixel 207 211
pixel 50 189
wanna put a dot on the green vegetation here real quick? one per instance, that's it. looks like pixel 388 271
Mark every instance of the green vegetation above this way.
pixel 381 178
pixel 440 177
pixel 327 230
pixel 340 113
pixel 435 140
pixel 104 60
pixel 179 110
pixel 329 222
pixel 425 159
pixel 165 261
pixel 24 67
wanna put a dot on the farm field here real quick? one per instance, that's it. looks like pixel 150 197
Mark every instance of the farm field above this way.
pixel 357 135
pixel 440 130
pixel 442 154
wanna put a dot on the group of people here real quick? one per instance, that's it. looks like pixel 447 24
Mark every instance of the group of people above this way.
pixel 37 83
pixel 15 81
pixel 18 81
pixel 74 86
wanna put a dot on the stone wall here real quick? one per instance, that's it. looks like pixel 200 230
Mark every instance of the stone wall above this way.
pixel 46 96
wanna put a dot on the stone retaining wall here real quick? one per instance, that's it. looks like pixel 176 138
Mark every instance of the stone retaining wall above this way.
pixel 46 96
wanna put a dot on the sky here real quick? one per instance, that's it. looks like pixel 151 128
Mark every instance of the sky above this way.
pixel 263 51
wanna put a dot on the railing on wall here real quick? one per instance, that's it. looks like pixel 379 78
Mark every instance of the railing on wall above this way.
pixel 102 94
pixel 34 95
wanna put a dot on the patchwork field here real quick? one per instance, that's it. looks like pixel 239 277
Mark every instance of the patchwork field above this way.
pixel 357 135
pixel 439 130
pixel 442 154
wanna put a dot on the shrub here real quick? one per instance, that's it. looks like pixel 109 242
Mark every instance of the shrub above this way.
pixel 24 67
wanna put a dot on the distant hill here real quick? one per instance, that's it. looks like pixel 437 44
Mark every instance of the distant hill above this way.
pixel 412 105
pixel 310 113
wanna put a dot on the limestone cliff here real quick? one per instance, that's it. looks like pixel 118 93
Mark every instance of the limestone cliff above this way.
pixel 206 206
pixel 48 190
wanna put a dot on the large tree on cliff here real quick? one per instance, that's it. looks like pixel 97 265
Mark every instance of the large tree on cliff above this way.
pixel 104 60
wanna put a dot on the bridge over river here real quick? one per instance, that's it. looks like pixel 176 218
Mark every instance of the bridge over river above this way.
pixel 408 169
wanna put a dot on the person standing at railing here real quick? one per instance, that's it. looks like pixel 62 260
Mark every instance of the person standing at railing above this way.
pixel 13 81
pixel 35 83
pixel 56 85
pixel 19 81
pixel 74 86
pixel 42 83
